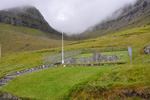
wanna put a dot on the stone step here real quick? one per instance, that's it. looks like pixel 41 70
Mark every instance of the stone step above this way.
pixel 4 98
pixel 9 77
pixel 2 84
pixel 4 80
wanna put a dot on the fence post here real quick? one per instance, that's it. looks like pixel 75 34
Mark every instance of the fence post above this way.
pixel 57 57
pixel 67 55
pixel 81 58
pixel 46 60
pixel 43 59
pixel 51 57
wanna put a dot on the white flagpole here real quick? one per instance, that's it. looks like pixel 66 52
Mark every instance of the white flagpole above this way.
pixel 62 48
pixel 0 51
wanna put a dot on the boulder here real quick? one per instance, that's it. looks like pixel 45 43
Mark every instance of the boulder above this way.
pixel 147 50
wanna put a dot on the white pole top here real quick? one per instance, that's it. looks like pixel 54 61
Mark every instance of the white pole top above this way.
pixel 62 48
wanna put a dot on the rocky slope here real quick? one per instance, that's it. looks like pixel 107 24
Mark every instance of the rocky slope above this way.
pixel 131 16
pixel 27 17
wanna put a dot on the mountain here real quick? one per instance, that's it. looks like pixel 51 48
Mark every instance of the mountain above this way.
pixel 25 29
pixel 131 16
pixel 27 16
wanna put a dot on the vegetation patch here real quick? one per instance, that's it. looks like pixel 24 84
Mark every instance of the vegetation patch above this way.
pixel 14 40
pixel 120 92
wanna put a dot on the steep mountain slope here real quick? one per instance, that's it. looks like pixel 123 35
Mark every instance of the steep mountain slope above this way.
pixel 25 29
pixel 27 17
pixel 132 16
pixel 16 39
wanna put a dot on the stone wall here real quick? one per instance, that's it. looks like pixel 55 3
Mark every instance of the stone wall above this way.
pixel 8 96
pixel 97 57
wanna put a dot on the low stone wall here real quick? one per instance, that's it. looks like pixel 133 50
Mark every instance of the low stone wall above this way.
pixel 8 96
pixel 31 69
pixel 104 58
pixel 94 64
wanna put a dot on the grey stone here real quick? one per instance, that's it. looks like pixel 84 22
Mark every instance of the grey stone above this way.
pixel 147 50
pixel 9 95
pixel 96 55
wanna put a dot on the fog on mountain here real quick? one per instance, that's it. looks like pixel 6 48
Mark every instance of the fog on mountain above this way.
pixel 75 15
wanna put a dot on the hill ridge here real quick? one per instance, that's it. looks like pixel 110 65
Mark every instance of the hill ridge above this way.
pixel 132 16
pixel 27 16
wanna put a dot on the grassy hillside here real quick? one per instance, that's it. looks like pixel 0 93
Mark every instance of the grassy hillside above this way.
pixel 135 23
pixel 28 31
pixel 129 81
pixel 18 39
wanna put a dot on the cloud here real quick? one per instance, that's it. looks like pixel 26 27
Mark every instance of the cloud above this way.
pixel 75 15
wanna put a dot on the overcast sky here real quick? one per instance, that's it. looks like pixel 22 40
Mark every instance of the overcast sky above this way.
pixel 75 15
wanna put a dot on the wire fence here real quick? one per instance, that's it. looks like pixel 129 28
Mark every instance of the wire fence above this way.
pixel 91 56
pixel 57 56
pixel 105 49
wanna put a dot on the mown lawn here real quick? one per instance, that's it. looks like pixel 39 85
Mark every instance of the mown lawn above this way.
pixel 53 83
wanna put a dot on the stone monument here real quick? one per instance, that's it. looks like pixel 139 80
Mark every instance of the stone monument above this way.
pixel 96 56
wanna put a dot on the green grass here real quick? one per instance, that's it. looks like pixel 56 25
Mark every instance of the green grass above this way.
pixel 16 39
pixel 22 61
pixel 28 31
pixel 50 84
pixel 19 45
pixel 116 80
